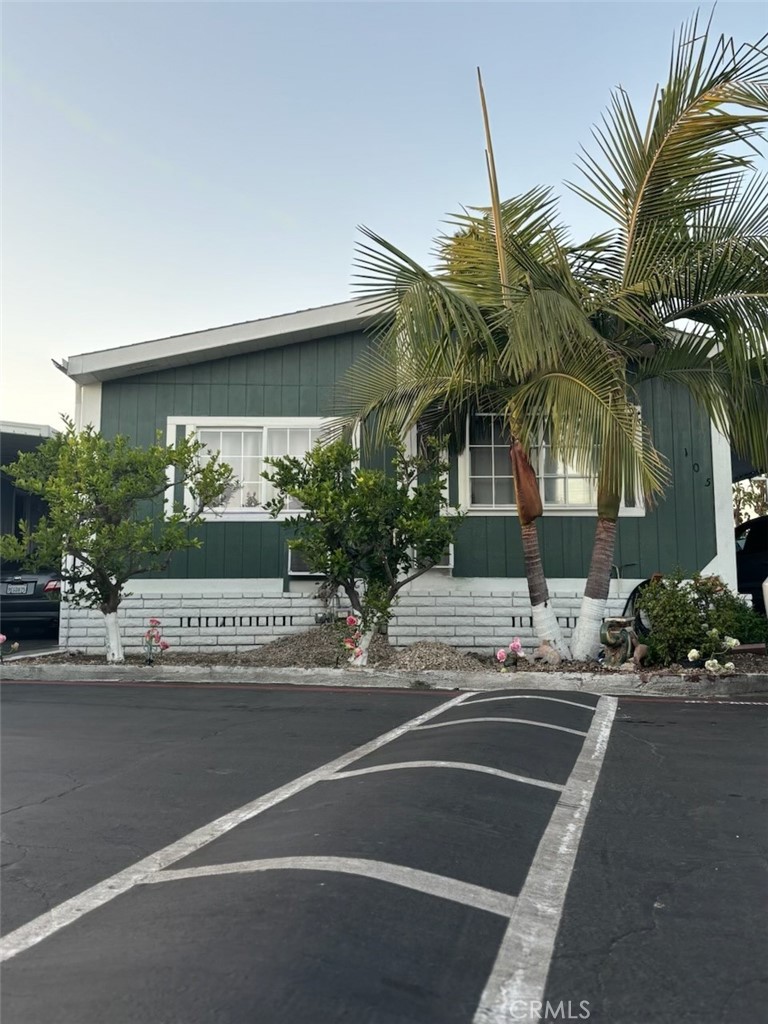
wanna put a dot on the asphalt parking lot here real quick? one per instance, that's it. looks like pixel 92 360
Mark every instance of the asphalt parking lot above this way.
pixel 188 854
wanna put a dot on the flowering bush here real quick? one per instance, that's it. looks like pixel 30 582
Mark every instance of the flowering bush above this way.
pixel 697 619
pixel 154 644
pixel 351 642
pixel 512 653
pixel 11 650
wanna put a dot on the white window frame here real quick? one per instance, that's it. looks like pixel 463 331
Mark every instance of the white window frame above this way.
pixel 549 509
pixel 193 424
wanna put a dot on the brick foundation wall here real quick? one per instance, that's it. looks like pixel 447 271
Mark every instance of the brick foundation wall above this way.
pixel 480 621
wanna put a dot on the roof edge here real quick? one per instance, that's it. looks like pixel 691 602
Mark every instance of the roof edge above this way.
pixel 216 342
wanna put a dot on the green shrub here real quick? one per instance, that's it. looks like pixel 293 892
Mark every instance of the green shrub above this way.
pixel 697 614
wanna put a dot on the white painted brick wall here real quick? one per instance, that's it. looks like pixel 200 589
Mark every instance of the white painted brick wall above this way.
pixel 482 622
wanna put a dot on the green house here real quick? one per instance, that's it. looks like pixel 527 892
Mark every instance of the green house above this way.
pixel 264 388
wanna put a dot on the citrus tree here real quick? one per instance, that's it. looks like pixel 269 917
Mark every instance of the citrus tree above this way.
pixel 367 532
pixel 107 522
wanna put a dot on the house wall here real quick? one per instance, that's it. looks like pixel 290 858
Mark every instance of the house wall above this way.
pixel 233 592
pixel 680 531
pixel 298 380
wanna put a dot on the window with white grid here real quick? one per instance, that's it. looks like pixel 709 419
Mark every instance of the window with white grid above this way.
pixel 487 479
pixel 244 444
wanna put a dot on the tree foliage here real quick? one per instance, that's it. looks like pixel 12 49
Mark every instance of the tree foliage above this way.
pixel 367 531
pixel 105 516
pixel 750 499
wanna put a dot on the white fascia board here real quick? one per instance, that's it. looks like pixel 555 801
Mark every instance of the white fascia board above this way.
pixel 724 562
pixel 88 406
pixel 216 343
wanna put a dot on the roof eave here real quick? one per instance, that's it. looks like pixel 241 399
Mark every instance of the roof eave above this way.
pixel 216 343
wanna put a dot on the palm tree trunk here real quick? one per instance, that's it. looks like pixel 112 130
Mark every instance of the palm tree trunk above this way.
pixel 586 637
pixel 546 628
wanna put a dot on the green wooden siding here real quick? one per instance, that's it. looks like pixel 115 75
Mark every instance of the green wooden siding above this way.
pixel 679 531
pixel 298 380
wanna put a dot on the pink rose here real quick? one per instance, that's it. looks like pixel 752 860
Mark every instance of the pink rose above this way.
pixel 349 643
pixel 358 652
pixel 3 638
pixel 154 622
pixel 164 645
pixel 516 647
pixel 351 620
pixel 501 655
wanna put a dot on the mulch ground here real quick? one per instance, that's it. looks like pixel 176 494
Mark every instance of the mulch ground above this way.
pixel 320 647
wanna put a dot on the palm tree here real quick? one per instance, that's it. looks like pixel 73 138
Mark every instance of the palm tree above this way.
pixel 680 286
pixel 515 320
pixel 498 327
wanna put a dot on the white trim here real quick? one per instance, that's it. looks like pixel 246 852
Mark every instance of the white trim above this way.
pixel 552 510
pixel 724 562
pixel 228 422
pixel 217 342
pixel 88 406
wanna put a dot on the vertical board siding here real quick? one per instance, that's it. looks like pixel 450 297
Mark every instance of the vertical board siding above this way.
pixel 299 380
pixel 679 531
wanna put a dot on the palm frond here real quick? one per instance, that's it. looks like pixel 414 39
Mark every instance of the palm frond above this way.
pixel 701 131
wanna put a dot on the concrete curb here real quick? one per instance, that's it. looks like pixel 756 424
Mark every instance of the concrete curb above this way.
pixel 614 683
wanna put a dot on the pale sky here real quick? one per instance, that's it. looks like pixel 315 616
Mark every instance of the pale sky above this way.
pixel 169 167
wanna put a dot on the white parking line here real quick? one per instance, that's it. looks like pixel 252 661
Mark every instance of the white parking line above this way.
pixel 533 696
pixel 70 910
pixel 508 721
pixel 466 766
pixel 410 878
pixel 520 973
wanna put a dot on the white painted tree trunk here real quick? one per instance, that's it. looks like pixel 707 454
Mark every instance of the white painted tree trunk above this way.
pixel 115 654
pixel 586 636
pixel 547 630
pixel 361 660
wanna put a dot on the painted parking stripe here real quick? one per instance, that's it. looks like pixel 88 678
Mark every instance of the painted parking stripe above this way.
pixel 70 910
pixel 520 972
pixel 476 896
pixel 461 765
pixel 533 696
pixel 506 721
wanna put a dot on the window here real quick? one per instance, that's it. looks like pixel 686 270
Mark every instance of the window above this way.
pixel 486 474
pixel 244 443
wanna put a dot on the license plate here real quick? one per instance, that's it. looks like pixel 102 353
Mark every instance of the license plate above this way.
pixel 16 588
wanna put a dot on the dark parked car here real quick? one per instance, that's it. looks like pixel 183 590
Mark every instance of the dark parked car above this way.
pixel 29 599
pixel 752 559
